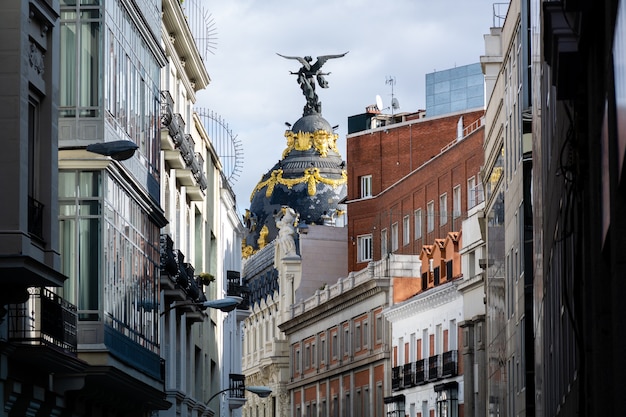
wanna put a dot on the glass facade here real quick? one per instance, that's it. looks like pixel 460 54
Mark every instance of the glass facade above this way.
pixel 108 71
pixel 110 252
pixel 454 90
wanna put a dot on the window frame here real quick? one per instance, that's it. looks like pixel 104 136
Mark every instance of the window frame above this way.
pixel 366 186
pixel 364 245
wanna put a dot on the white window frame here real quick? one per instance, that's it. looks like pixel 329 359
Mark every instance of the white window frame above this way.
pixel 366 186
pixel 406 230
pixel 443 209
pixel 456 197
pixel 430 216
pixel 364 248
pixel 384 250
pixel 471 192
pixel 394 237
pixel 418 220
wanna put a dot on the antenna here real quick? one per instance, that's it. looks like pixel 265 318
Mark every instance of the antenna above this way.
pixel 394 102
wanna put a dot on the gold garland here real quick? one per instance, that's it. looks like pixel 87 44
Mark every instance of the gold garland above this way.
pixel 311 177
pixel 321 140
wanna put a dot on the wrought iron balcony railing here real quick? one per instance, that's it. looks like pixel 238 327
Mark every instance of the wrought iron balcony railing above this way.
pixel 420 368
pixel 409 374
pixel 434 367
pixel 235 288
pixel 450 364
pixel 45 319
pixel 397 380
pixel 167 107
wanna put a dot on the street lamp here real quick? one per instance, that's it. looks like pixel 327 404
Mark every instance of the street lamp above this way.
pixel 225 304
pixel 120 150
pixel 262 392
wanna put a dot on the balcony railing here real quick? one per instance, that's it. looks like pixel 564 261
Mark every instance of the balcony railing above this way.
pixel 420 368
pixel 396 378
pixel 434 367
pixel 450 363
pixel 235 288
pixel 409 374
pixel 167 106
pixel 45 319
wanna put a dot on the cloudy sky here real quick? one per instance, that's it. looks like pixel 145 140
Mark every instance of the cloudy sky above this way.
pixel 252 88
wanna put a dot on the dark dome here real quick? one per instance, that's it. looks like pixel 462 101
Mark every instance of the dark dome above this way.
pixel 310 178
pixel 311 123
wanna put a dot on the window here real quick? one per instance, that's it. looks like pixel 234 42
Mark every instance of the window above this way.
pixel 471 192
pixel 456 196
pixel 447 402
pixel 364 248
pixel 383 243
pixel 334 345
pixel 357 337
pixel 366 186
pixel 443 209
pixel 366 334
pixel 418 223
pixel 430 214
pixel 394 237
pixel 322 351
pixel 379 328
pixel 296 359
pixel 313 355
pixel 406 230
pixel 307 356
pixel 346 340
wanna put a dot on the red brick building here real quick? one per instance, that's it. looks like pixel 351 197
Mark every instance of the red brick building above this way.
pixel 411 182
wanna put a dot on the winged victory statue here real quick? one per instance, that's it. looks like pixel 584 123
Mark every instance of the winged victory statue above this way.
pixel 308 75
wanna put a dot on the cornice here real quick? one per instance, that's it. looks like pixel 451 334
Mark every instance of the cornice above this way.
pixel 428 300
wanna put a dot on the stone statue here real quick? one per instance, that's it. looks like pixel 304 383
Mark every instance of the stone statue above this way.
pixel 285 242
pixel 307 76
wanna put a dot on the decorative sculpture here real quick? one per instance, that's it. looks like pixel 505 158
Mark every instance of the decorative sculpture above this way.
pixel 308 74
pixel 285 243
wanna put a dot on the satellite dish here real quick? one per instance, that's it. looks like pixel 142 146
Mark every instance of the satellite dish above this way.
pixel 395 104
pixel 379 102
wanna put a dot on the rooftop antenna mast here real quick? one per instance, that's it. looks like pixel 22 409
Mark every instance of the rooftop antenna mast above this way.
pixel 394 102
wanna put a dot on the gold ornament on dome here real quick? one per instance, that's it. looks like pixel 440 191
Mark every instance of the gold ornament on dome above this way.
pixel 246 250
pixel 262 241
pixel 321 140
pixel 311 177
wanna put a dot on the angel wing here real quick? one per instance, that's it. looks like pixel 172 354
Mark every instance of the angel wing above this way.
pixel 303 61
pixel 322 59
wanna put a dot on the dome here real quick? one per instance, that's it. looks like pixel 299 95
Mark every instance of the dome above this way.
pixel 310 178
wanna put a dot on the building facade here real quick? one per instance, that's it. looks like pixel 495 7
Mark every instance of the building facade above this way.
pixel 338 342
pixel 507 179
pixel 578 192
pixel 427 376
pixel 411 182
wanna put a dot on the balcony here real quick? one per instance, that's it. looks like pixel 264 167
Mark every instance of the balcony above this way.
pixel 237 391
pixel 397 380
pixel 44 320
pixel 167 108
pixel 409 374
pixel 434 367
pixel 450 364
pixel 420 371
pixel 235 288
pixel 178 277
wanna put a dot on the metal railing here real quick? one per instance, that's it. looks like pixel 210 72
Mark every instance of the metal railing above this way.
pixel 45 319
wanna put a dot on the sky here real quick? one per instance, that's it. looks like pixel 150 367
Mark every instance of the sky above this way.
pixel 253 91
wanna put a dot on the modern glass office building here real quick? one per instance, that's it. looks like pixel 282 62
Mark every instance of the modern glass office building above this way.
pixel 455 89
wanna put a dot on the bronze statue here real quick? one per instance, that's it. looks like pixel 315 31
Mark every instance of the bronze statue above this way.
pixel 307 75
